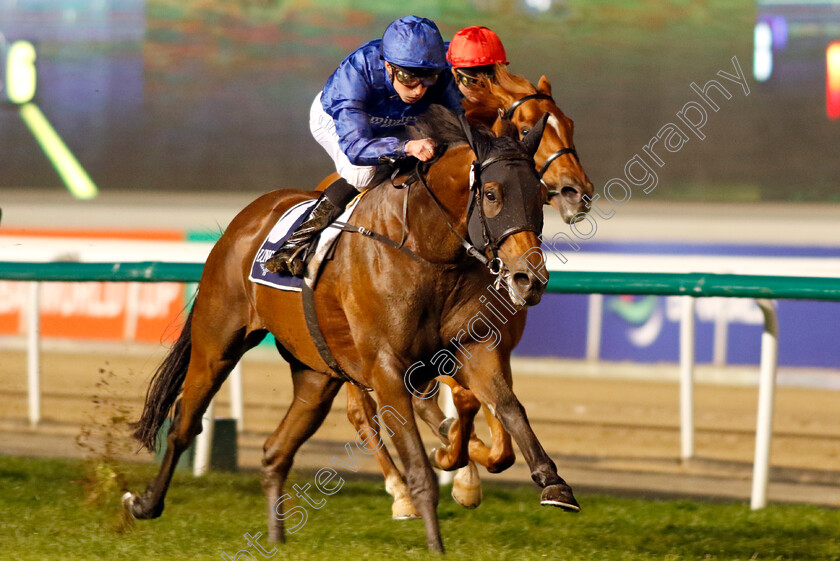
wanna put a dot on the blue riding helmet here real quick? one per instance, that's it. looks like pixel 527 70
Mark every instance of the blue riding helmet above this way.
pixel 414 42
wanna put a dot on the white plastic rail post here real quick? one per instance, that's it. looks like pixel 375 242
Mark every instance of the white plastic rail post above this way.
pixel 33 349
pixel 721 333
pixel 446 477
pixel 687 378
pixel 236 408
pixel 204 443
pixel 594 326
pixel 766 393
pixel 132 311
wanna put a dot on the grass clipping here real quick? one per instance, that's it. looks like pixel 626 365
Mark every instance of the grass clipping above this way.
pixel 104 438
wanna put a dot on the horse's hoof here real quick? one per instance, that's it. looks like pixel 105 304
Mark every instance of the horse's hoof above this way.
pixel 127 500
pixel 560 495
pixel 443 428
pixel 135 507
pixel 466 486
pixel 402 509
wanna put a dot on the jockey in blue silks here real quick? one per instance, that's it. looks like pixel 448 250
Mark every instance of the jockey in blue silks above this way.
pixel 362 115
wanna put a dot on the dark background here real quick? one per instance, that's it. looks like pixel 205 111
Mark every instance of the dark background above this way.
pixel 214 95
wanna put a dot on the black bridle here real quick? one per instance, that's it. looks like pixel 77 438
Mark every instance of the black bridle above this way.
pixel 488 241
pixel 508 115
pixel 477 193
pixel 481 234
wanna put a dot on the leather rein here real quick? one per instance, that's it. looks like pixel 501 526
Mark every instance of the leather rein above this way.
pixel 494 264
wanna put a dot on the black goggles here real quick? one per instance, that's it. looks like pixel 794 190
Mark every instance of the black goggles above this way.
pixel 410 80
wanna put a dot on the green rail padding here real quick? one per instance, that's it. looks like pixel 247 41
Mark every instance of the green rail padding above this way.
pixel 571 282
pixel 696 284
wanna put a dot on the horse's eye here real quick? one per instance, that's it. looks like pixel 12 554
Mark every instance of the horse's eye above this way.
pixel 525 131
pixel 490 196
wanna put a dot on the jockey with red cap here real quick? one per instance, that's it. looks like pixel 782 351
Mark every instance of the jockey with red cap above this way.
pixel 362 115
pixel 474 52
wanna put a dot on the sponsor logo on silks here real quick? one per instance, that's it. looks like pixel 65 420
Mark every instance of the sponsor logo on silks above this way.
pixel 644 312
pixel 391 122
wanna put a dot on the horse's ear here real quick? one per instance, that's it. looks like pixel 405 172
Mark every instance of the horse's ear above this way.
pixel 505 127
pixel 544 86
pixel 532 139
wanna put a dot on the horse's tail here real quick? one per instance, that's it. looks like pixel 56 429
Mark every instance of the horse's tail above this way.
pixel 164 388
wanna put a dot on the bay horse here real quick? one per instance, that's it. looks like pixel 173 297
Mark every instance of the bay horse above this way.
pixel 379 310
pixel 569 190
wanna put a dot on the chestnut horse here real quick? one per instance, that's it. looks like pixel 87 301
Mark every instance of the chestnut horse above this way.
pixel 380 312
pixel 569 190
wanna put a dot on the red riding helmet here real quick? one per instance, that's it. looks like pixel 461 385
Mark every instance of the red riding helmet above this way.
pixel 475 46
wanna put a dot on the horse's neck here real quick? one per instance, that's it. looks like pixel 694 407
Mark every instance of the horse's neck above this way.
pixel 428 233
pixel 481 114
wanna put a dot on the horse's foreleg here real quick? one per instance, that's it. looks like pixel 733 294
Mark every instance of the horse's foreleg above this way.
pixel 489 380
pixel 396 417
pixel 500 455
pixel 361 408
pixel 313 397
pixel 456 455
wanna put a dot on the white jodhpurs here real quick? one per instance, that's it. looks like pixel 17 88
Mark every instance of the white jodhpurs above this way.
pixel 323 129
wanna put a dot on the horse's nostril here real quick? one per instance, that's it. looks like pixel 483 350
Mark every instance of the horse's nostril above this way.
pixel 526 282
pixel 523 281
pixel 570 192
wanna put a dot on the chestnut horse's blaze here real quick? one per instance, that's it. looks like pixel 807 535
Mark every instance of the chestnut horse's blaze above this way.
pixel 379 311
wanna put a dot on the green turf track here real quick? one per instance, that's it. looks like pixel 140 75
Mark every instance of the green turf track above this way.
pixel 43 516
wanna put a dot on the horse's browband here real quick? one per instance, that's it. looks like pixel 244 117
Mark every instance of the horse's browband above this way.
pixel 509 113
pixel 490 161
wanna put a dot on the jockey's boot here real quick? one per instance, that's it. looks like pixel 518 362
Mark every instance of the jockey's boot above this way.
pixel 291 257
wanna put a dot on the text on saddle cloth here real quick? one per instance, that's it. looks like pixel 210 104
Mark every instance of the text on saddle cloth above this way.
pixel 278 235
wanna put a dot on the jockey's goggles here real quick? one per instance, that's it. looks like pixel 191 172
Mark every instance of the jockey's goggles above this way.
pixel 412 80
pixel 469 80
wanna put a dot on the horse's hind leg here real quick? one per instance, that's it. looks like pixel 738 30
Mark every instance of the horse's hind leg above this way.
pixel 212 353
pixel 313 396
pixel 429 410
pixel 361 408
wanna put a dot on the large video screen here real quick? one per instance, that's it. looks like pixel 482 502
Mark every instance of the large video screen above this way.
pixel 730 101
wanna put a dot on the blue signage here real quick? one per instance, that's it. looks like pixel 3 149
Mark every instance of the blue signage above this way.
pixel 646 328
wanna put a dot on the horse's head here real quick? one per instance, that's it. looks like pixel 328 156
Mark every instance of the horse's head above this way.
pixel 493 198
pixel 515 99
pixel 505 218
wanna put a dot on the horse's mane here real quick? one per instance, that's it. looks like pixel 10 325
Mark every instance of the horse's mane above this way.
pixel 511 82
pixel 445 129
pixel 494 94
